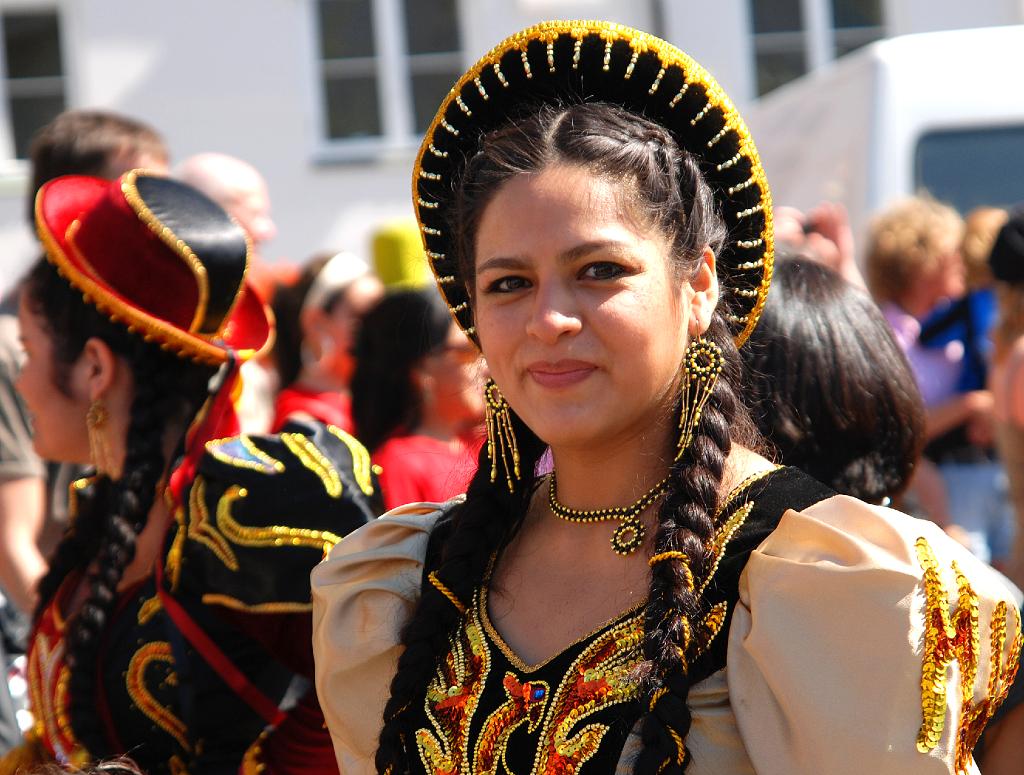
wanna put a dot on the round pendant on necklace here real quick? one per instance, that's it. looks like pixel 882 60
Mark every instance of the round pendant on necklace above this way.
pixel 628 536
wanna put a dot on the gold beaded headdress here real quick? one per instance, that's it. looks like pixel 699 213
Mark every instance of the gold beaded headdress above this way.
pixel 594 61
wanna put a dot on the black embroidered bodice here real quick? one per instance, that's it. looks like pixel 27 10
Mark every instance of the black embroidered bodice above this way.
pixel 487 712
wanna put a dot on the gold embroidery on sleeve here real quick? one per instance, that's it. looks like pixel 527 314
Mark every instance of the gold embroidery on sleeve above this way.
pixel 202 530
pixel 135 679
pixel 316 461
pixel 957 637
pixel 271 535
pixel 174 554
pixel 242 452
pixel 148 609
pixel 1002 674
pixel 361 465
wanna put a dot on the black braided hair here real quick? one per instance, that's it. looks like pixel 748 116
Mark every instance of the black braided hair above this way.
pixel 168 392
pixel 669 191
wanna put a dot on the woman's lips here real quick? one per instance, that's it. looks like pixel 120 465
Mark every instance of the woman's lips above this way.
pixel 560 373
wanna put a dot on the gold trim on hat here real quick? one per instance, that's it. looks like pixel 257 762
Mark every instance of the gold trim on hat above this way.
pixel 149 327
pixel 640 42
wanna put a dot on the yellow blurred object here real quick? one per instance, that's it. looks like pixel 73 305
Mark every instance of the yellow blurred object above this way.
pixel 398 257
pixel 27 757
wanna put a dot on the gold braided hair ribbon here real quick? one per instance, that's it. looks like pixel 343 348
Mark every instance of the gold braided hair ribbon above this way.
pixel 440 587
pixel 676 738
pixel 682 557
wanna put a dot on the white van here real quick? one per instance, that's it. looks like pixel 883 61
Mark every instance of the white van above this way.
pixel 942 112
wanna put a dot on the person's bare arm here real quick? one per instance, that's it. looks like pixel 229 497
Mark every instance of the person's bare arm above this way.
pixel 964 408
pixel 22 512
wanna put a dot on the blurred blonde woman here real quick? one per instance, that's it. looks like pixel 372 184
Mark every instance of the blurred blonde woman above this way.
pixel 914 265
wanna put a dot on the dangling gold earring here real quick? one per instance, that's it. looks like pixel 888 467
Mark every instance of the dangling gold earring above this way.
pixel 702 364
pixel 501 438
pixel 95 421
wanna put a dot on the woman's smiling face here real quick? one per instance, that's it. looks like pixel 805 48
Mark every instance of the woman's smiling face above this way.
pixel 580 311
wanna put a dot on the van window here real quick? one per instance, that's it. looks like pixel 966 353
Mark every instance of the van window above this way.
pixel 972 167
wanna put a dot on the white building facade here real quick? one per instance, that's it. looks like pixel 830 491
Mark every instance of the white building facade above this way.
pixel 327 98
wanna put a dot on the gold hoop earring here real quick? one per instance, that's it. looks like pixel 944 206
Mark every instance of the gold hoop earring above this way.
pixel 501 438
pixel 702 364
pixel 95 422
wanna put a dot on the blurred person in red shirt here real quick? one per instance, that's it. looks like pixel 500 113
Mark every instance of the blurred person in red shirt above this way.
pixel 317 319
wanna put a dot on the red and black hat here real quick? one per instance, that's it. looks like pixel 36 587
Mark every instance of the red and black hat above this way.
pixel 593 61
pixel 159 257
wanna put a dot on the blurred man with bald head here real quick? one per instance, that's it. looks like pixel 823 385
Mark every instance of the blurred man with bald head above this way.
pixel 237 187
pixel 240 189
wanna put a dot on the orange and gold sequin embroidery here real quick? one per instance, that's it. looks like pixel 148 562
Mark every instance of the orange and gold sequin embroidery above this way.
pixel 957 637
pixel 452 697
pixel 597 679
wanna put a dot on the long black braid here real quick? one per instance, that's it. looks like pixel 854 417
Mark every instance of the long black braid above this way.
pixel 101 542
pixel 674 613
pixel 670 192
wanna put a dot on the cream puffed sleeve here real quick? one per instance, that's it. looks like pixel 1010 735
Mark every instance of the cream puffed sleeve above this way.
pixel 363 593
pixel 865 641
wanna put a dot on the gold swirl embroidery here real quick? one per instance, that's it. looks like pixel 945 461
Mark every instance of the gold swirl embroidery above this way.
pixel 361 466
pixel 149 609
pixel 957 637
pixel 242 452
pixel 174 554
pixel 597 679
pixel 316 461
pixel 526 703
pixel 202 530
pixel 135 680
pixel 271 535
pixel 48 690
pixel 177 766
pixel 452 698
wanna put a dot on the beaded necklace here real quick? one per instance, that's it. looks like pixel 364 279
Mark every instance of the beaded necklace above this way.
pixel 629 535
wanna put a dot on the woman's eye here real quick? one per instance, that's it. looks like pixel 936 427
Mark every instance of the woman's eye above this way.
pixel 508 284
pixel 602 270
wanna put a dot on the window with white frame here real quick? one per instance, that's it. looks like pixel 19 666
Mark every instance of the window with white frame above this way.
pixel 33 75
pixel 792 37
pixel 385 65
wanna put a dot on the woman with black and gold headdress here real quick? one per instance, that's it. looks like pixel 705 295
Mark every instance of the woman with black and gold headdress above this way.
pixel 598 220
pixel 171 621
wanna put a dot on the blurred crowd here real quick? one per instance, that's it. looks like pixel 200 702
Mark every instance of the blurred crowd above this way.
pixel 892 370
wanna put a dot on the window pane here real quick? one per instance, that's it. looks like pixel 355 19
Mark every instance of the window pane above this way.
pixel 431 25
pixel 346 28
pixel 32 44
pixel 856 13
pixel 972 167
pixel 428 89
pixel 776 15
pixel 853 38
pixel 352 107
pixel 777 68
pixel 28 115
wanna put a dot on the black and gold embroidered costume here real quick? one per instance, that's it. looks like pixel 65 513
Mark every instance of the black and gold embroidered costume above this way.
pixel 823 610
pixel 486 711
pixel 234 573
